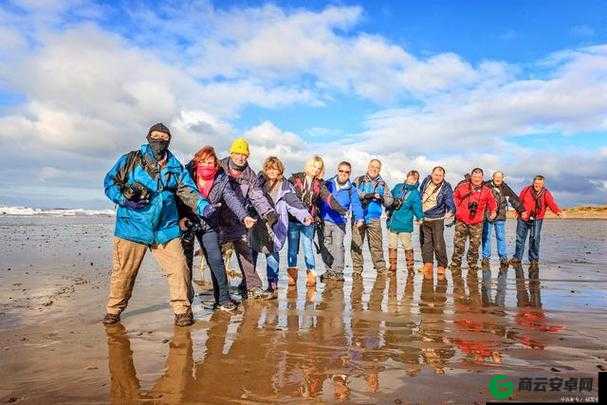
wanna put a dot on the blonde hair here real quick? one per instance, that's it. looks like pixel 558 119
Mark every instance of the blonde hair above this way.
pixel 274 163
pixel 310 165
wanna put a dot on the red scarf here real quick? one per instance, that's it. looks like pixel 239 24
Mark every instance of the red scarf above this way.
pixel 205 177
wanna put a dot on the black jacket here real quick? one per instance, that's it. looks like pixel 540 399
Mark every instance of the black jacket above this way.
pixel 504 195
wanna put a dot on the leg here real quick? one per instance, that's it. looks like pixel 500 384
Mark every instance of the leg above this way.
pixel 209 241
pixel 438 239
pixel 487 239
pixel 327 249
pixel 459 243
pixel 521 237
pixel 356 247
pixel 534 240
pixel 405 239
pixel 272 269
pixel 244 255
pixel 172 261
pixel 187 242
pixel 393 238
pixel 475 233
pixel 425 240
pixel 500 235
pixel 293 243
pixel 376 246
pixel 126 260
pixel 339 251
pixel 307 233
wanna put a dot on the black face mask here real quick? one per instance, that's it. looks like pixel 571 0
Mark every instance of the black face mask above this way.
pixel 159 148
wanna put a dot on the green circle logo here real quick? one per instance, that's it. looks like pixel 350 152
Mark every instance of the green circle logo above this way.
pixel 500 387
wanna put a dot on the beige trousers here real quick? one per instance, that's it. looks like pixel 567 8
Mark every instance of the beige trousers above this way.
pixel 403 237
pixel 126 260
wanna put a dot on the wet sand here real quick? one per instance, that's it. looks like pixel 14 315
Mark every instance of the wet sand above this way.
pixel 397 339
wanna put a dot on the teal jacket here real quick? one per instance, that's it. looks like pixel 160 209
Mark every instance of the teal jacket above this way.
pixel 401 219
pixel 158 222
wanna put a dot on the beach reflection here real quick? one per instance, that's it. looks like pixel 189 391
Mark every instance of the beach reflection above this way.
pixel 344 341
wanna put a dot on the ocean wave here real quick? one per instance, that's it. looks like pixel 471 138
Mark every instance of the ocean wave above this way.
pixel 57 212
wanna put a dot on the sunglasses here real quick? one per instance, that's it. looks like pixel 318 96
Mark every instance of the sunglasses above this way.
pixel 344 171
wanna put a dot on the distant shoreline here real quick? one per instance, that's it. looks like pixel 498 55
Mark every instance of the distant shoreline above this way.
pixel 581 212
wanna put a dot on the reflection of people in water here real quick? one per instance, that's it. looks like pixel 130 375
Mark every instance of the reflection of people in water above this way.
pixel 171 387
pixel 530 316
pixel 472 329
pixel 435 352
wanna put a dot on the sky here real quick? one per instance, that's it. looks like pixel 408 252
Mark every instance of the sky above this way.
pixel 515 86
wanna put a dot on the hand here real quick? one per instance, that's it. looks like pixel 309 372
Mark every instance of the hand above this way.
pixel 525 216
pixel 419 221
pixel 360 223
pixel 135 205
pixel 448 215
pixel 249 222
pixel 492 216
pixel 271 218
pixel 184 224
pixel 308 221
pixel 377 196
pixel 208 211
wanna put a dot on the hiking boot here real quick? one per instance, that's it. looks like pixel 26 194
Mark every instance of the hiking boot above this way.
pixel 534 264
pixel 259 294
pixel 440 270
pixel 227 306
pixel 456 265
pixel 504 262
pixel 357 274
pixel 515 261
pixel 485 262
pixel 338 277
pixel 185 319
pixel 410 260
pixel 292 275
pixel 310 278
pixel 392 259
pixel 110 319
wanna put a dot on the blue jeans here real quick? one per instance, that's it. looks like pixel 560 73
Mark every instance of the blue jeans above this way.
pixel 306 232
pixel 272 266
pixel 500 235
pixel 209 242
pixel 534 228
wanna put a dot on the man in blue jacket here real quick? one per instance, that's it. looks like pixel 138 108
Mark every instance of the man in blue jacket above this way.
pixel 374 195
pixel 334 223
pixel 438 205
pixel 145 185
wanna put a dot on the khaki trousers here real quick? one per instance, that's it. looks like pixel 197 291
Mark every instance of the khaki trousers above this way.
pixel 126 260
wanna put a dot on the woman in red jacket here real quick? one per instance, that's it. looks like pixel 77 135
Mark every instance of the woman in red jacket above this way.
pixel 535 199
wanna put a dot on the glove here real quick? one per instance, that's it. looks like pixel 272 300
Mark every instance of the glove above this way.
pixel 135 205
pixel 271 218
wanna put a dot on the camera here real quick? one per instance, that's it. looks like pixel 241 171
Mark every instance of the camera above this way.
pixel 137 192
pixel 472 208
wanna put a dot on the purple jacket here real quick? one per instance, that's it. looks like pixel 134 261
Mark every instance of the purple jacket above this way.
pixel 248 191
pixel 286 203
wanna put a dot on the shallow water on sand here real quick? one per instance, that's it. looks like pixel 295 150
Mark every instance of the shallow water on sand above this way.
pixel 402 337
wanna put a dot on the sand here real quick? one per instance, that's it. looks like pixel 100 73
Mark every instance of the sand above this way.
pixel 398 339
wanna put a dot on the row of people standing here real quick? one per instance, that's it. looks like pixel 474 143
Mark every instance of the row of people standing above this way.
pixel 221 202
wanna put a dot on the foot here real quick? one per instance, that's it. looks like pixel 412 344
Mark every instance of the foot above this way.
pixel 456 265
pixel 110 319
pixel 485 262
pixel 503 261
pixel 311 278
pixel 357 273
pixel 185 319
pixel 534 264
pixel 292 275
pixel 227 306
pixel 259 294
pixel 440 270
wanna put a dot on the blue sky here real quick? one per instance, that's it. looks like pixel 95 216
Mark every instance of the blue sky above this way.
pixel 516 86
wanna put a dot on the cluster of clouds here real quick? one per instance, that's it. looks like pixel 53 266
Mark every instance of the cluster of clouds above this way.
pixel 87 81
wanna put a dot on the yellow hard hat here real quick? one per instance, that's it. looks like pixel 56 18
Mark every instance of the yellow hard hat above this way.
pixel 241 146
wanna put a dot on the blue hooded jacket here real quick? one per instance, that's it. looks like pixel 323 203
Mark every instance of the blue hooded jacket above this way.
pixel 401 219
pixel 158 222
pixel 366 186
pixel 347 197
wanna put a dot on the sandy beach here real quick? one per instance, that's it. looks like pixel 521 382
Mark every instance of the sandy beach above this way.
pixel 397 339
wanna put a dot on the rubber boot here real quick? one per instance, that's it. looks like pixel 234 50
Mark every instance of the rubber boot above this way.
pixel 392 259
pixel 428 268
pixel 311 278
pixel 292 275
pixel 409 260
